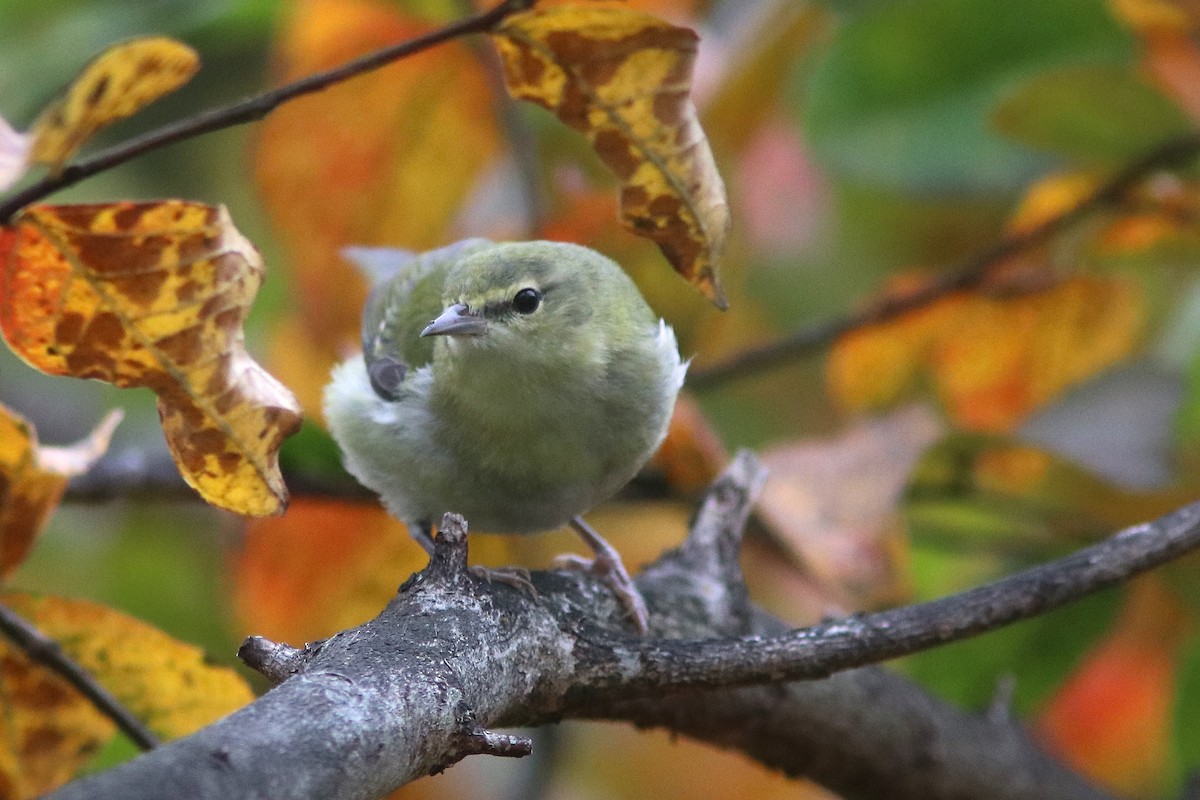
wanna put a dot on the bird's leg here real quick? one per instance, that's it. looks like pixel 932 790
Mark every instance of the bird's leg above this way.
pixel 516 577
pixel 607 564
pixel 422 532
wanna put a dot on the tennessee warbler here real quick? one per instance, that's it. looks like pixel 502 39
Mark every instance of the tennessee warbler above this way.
pixel 518 384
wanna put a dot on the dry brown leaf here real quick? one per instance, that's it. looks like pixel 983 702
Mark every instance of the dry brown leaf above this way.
pixel 622 78
pixel 33 479
pixel 833 504
pixel 154 294
pixel 116 84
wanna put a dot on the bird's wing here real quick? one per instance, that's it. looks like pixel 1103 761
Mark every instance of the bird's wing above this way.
pixel 406 294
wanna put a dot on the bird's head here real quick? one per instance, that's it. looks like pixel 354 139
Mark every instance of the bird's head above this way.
pixel 537 301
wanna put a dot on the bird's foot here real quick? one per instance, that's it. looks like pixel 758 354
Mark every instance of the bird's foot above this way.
pixel 607 565
pixel 516 577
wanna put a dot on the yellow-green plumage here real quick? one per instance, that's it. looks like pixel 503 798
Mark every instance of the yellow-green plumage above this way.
pixel 518 421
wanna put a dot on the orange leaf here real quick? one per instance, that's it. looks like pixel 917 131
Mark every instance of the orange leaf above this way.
pixel 116 84
pixel 51 730
pixel 386 159
pixel 154 294
pixel 993 360
pixel 692 455
pixel 33 479
pixel 622 78
pixel 322 567
pixel 1122 693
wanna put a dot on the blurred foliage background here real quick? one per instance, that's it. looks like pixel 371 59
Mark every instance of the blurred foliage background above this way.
pixel 865 145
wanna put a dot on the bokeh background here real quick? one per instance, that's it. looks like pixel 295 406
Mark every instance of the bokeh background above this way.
pixel 866 145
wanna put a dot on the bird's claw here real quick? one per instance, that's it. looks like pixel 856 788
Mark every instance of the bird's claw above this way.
pixel 516 577
pixel 613 573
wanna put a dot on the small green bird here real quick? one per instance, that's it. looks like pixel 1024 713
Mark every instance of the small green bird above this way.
pixel 519 384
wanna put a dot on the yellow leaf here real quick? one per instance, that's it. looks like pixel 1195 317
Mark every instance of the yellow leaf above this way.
pixel 116 84
pixel 622 78
pixel 992 359
pixel 167 683
pixel 50 730
pixel 154 294
pixel 33 479
pixel 1152 16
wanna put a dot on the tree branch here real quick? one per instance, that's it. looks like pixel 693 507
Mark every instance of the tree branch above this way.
pixel 45 651
pixel 253 108
pixel 968 275
pixel 384 703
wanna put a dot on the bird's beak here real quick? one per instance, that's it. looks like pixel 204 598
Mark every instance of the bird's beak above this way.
pixel 457 320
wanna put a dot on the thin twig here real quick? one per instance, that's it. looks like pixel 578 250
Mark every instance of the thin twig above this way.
pixel 968 275
pixel 859 640
pixel 45 651
pixel 253 108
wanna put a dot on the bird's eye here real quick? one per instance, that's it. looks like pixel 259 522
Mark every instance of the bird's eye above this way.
pixel 527 301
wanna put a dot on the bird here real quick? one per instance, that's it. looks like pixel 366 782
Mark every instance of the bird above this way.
pixel 519 384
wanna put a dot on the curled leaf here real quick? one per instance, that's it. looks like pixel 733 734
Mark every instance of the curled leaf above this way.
pixel 33 479
pixel 622 78
pixel 116 84
pixel 155 294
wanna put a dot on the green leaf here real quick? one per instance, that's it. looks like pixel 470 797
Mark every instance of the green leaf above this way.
pixel 1097 114
pixel 1187 700
pixel 903 97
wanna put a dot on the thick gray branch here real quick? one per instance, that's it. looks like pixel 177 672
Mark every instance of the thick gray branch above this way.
pixel 451 658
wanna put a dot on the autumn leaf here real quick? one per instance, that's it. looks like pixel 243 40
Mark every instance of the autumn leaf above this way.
pixel 51 730
pixel 33 479
pixel 834 505
pixel 1170 56
pixel 116 84
pixel 622 78
pixel 691 456
pixel 992 359
pixel 1121 693
pixel 154 294
pixel 323 567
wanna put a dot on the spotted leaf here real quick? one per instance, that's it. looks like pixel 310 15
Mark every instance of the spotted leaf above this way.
pixel 623 79
pixel 114 85
pixel 154 294
pixel 33 479
pixel 51 730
